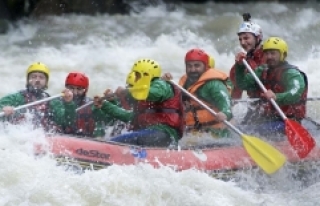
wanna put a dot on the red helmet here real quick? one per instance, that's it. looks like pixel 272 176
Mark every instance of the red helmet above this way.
pixel 77 79
pixel 197 55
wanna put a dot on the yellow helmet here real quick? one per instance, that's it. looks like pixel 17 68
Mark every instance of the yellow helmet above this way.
pixel 212 62
pixel 138 83
pixel 147 66
pixel 130 81
pixel 277 44
pixel 38 67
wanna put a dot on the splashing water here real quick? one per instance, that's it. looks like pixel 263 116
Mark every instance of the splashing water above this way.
pixel 105 47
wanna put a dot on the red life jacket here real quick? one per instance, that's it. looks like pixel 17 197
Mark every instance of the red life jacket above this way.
pixel 85 124
pixel 272 79
pixel 42 115
pixel 168 112
pixel 126 101
pixel 254 59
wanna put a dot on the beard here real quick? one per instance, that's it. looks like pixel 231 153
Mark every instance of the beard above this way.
pixel 37 90
pixel 271 63
pixel 193 76
pixel 78 99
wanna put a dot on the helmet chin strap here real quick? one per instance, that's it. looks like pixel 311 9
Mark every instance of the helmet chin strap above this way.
pixel 258 42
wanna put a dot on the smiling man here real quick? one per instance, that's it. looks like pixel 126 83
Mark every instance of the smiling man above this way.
pixel 210 86
pixel 285 83
pixel 250 38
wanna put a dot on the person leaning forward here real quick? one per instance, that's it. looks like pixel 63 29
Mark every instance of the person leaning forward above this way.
pixel 157 114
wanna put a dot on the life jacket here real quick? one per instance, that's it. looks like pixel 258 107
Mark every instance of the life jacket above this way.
pixel 272 79
pixel 197 116
pixel 85 124
pixel 254 59
pixel 125 100
pixel 42 116
pixel 168 112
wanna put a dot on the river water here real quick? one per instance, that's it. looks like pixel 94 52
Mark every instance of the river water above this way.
pixel 105 47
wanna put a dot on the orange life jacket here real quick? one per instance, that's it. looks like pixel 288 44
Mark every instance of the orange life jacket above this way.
pixel 195 115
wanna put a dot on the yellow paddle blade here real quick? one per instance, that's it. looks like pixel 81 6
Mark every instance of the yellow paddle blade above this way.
pixel 265 155
pixel 140 90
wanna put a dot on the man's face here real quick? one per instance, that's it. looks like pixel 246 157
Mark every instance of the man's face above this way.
pixel 272 57
pixel 247 41
pixel 76 90
pixel 37 80
pixel 195 69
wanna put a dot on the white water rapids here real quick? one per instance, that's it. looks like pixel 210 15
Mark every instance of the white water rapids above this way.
pixel 105 47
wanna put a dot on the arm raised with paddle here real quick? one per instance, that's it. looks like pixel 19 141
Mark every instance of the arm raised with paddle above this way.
pixel 275 51
pixel 268 158
pixel 8 110
pixel 210 86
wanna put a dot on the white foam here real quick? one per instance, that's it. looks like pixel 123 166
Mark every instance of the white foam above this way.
pixel 105 48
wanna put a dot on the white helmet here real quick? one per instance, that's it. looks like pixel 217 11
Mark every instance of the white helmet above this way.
pixel 250 27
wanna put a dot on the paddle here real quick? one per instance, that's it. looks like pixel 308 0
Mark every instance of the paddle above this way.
pixel 91 102
pixel 85 105
pixel 268 158
pixel 256 99
pixel 34 103
pixel 300 139
pixel 118 125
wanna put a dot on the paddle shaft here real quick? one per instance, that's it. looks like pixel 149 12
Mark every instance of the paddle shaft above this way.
pixel 33 103
pixel 298 136
pixel 206 107
pixel 256 99
pixel 85 105
pixel 273 102
pixel 91 102
pixel 265 155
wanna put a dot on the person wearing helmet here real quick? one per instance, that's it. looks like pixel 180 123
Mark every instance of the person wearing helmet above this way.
pixel 285 83
pixel 210 86
pixel 123 95
pixel 123 98
pixel 157 114
pixel 85 123
pixel 49 114
pixel 250 38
